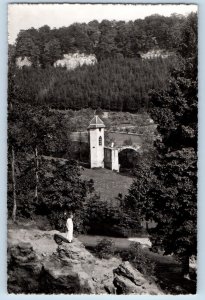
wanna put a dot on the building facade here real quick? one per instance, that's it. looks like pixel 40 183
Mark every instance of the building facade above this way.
pixel 101 156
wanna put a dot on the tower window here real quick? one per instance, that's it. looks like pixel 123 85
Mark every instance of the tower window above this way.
pixel 100 129
pixel 100 141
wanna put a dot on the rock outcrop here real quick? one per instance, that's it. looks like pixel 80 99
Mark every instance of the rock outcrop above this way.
pixel 31 273
pixel 130 281
pixel 37 264
pixel 69 60
pixel 23 62
pixel 74 60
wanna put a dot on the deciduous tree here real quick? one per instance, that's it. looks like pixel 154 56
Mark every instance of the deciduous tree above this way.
pixel 166 192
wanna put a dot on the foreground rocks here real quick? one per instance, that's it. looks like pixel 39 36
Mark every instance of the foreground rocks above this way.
pixel 31 273
pixel 128 280
pixel 36 264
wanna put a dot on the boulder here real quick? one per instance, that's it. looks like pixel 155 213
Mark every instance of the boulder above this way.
pixel 23 269
pixel 59 277
pixel 33 271
pixel 37 264
pixel 128 280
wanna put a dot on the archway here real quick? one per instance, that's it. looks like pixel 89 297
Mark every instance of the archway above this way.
pixel 127 159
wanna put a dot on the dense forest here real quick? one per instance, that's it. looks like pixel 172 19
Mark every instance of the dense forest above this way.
pixel 121 80
pixel 106 39
pixel 112 84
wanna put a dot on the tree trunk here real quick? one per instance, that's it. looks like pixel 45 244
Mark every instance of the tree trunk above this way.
pixel 36 174
pixel 13 185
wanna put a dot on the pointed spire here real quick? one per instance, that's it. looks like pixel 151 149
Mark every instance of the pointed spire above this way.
pixel 96 122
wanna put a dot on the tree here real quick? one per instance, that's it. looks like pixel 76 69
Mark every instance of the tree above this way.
pixel 106 47
pixel 61 189
pixel 52 52
pixel 32 132
pixel 114 83
pixel 26 47
pixel 166 191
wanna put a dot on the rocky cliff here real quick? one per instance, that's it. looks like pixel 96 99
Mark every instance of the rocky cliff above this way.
pixel 36 264
pixel 74 60
pixel 69 60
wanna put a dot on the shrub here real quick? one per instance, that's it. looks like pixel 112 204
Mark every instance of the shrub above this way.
pixel 101 218
pixel 105 248
pixel 139 259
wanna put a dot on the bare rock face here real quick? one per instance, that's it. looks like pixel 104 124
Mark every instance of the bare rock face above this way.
pixel 74 60
pixel 30 271
pixel 24 268
pixel 128 280
pixel 23 61
pixel 40 265
pixel 59 277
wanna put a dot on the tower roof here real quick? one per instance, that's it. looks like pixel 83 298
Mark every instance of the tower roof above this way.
pixel 96 122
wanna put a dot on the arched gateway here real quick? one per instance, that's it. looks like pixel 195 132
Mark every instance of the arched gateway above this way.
pixel 102 156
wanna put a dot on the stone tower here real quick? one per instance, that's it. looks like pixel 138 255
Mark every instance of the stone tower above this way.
pixel 96 136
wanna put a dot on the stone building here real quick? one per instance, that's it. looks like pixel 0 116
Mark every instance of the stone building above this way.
pixel 101 156
pixel 101 153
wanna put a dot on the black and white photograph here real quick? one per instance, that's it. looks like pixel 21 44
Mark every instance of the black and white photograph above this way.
pixel 102 149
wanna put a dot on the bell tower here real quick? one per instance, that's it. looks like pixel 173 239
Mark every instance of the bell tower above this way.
pixel 96 136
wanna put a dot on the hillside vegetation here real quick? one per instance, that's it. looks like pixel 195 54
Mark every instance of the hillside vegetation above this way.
pixel 121 80
pixel 165 189
pixel 113 84
pixel 107 39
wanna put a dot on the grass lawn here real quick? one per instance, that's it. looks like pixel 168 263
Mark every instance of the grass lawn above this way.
pixel 107 183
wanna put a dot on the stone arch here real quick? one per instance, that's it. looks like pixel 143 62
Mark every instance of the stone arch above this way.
pixel 128 147
pixel 127 156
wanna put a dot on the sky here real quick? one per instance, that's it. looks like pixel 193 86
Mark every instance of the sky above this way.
pixel 24 16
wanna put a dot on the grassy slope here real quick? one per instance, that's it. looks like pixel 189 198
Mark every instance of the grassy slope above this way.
pixel 108 183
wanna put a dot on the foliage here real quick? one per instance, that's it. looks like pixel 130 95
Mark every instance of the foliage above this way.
pixel 59 185
pixel 60 188
pixel 113 84
pixel 104 219
pixel 166 191
pixel 107 39
pixel 30 127
pixel 26 47
pixel 139 259
pixel 105 248
pixel 25 185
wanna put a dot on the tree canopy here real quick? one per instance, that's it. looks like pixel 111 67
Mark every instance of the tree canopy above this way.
pixel 106 39
pixel 166 191
pixel 120 84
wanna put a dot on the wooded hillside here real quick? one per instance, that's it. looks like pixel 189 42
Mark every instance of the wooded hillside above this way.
pixel 120 81
pixel 105 39
pixel 112 84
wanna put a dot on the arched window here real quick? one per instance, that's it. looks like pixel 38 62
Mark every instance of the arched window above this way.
pixel 100 141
